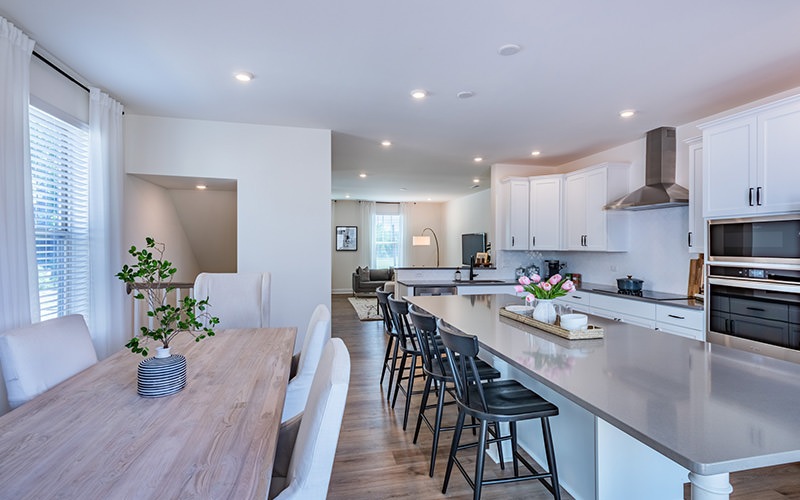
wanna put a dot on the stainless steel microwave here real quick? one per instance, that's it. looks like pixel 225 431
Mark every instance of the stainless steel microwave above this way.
pixel 771 240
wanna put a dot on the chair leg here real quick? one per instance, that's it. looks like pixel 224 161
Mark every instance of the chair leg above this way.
pixel 386 358
pixel 422 405
pixel 453 448
pixel 551 457
pixel 480 459
pixel 399 378
pixel 499 447
pixel 394 368
pixel 513 429
pixel 437 426
pixel 412 374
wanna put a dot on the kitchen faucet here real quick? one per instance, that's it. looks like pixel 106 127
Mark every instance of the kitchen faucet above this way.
pixel 472 272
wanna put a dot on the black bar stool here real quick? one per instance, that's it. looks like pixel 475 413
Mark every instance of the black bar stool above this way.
pixel 410 354
pixel 499 401
pixel 391 341
pixel 434 364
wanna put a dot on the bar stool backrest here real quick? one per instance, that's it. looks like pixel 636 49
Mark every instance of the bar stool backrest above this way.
pixel 399 308
pixel 432 355
pixel 383 303
pixel 462 350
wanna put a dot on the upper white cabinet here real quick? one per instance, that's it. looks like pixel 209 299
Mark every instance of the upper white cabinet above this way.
pixel 545 213
pixel 517 209
pixel 696 238
pixel 588 225
pixel 751 160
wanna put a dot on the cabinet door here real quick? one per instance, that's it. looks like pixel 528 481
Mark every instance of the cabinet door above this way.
pixel 779 160
pixel 729 158
pixel 575 210
pixel 518 208
pixel 697 228
pixel 596 199
pixel 545 215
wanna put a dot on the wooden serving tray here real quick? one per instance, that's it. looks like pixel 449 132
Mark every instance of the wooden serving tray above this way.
pixel 590 332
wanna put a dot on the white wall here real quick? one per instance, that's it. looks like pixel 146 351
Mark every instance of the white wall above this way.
pixel 468 214
pixel 284 212
pixel 346 213
pixel 420 216
pixel 209 219
pixel 149 211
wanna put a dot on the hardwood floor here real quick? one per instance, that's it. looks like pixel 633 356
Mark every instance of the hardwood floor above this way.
pixel 376 459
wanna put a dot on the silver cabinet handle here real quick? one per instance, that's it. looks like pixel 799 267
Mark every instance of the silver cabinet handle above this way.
pixel 758 196
pixel 689 239
pixel 676 317
pixel 512 241
pixel 750 197
pixel 533 241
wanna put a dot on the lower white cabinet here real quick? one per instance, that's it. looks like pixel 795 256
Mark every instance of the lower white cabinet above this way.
pixel 577 301
pixel 680 321
pixel 485 289
pixel 625 310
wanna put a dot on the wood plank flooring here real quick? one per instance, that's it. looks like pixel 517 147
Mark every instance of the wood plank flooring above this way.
pixel 376 459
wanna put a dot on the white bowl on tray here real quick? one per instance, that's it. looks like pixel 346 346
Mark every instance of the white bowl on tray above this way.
pixel 525 310
pixel 574 321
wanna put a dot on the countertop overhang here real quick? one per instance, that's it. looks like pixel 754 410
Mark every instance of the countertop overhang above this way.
pixel 710 408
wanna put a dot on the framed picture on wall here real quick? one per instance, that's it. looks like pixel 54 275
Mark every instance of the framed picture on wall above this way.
pixel 346 238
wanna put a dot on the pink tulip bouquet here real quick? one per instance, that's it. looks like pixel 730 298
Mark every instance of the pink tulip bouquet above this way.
pixel 537 288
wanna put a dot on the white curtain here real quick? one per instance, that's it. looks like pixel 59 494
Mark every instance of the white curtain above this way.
pixel 19 290
pixel 108 318
pixel 405 240
pixel 367 220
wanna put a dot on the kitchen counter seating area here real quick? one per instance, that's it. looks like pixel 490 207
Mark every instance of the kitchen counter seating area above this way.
pixel 641 411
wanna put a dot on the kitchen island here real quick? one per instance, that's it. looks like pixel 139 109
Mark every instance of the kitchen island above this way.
pixel 640 409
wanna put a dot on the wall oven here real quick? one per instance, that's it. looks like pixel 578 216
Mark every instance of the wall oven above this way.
pixel 753 285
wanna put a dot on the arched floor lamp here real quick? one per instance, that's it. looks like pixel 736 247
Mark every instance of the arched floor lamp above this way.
pixel 425 241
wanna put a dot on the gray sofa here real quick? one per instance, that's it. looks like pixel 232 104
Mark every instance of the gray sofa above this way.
pixel 366 280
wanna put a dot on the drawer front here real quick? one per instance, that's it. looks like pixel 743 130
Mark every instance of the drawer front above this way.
pixel 683 332
pixel 680 316
pixel 758 309
pixel 625 306
pixel 623 317
pixel 577 298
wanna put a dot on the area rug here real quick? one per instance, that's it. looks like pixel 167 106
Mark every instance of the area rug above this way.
pixel 366 308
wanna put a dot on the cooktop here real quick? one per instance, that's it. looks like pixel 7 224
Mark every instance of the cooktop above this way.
pixel 645 294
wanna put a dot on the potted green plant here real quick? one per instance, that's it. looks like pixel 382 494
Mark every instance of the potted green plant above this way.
pixel 150 279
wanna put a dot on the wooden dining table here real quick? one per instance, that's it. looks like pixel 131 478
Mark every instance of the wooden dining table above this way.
pixel 94 437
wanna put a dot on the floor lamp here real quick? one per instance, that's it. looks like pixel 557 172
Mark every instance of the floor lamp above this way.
pixel 425 241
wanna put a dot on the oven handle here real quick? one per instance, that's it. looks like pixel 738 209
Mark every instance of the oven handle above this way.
pixel 769 286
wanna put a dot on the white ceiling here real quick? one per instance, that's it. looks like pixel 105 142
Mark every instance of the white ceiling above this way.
pixel 349 66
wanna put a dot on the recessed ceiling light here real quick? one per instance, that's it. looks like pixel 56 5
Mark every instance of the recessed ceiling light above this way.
pixel 362 175
pixel 429 199
pixel 509 49
pixel 536 153
pixel 478 159
pixel 347 196
pixel 627 113
pixel 386 143
pixel 419 94
pixel 465 94
pixel 244 76
pixel 476 180
pixel 403 189
pixel 201 187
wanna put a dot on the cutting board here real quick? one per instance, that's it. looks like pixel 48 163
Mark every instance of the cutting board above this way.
pixel 695 276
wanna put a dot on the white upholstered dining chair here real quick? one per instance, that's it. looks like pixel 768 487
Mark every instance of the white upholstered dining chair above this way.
pixel 239 300
pixel 307 443
pixel 39 356
pixel 317 335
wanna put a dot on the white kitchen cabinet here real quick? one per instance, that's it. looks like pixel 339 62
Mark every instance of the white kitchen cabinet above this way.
pixel 680 321
pixel 696 238
pixel 517 210
pixel 545 212
pixel 486 289
pixel 750 161
pixel 624 310
pixel 589 226
pixel 578 301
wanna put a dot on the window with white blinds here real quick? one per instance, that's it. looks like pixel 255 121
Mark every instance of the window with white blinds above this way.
pixel 60 176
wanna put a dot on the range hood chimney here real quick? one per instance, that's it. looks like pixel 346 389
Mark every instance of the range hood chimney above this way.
pixel 660 189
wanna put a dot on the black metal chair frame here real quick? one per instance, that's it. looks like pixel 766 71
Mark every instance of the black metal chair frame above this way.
pixel 439 375
pixel 391 342
pixel 410 351
pixel 462 351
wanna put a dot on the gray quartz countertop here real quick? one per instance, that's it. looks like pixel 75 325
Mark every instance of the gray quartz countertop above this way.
pixel 668 299
pixel 710 408
pixel 445 282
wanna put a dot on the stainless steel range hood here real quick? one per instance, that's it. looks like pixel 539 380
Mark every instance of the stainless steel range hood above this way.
pixel 660 189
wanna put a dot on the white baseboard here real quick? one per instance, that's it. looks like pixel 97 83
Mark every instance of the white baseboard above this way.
pixel 342 291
